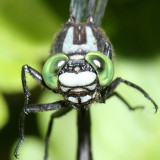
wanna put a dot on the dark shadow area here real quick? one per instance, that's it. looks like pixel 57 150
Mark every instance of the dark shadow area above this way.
pixel 133 27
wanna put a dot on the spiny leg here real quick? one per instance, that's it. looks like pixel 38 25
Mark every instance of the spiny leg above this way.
pixel 117 81
pixel 54 115
pixel 38 77
pixel 35 108
pixel 124 101
pixel 34 74
pixel 21 128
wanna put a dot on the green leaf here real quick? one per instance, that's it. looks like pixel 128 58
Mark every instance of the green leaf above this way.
pixel 4 114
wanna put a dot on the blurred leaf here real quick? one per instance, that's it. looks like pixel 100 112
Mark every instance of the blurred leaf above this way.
pixel 24 39
pixel 32 18
pixel 14 54
pixel 32 149
pixel 4 114
pixel 133 28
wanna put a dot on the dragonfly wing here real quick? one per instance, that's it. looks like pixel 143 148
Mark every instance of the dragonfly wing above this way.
pixel 99 11
pixel 82 9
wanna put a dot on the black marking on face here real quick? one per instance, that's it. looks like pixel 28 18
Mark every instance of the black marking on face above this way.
pixel 81 64
pixel 79 35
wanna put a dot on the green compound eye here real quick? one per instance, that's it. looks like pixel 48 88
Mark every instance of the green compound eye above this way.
pixel 51 68
pixel 103 66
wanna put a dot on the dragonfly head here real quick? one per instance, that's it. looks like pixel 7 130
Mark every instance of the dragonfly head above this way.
pixel 78 66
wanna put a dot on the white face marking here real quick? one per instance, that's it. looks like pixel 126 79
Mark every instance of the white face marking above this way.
pixel 80 79
pixel 91 87
pixel 97 63
pixel 73 99
pixel 64 89
pixel 79 27
pixel 78 90
pixel 60 63
pixel 85 98
pixel 77 57
pixel 69 47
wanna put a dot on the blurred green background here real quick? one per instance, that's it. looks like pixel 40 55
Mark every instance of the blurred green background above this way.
pixel 26 33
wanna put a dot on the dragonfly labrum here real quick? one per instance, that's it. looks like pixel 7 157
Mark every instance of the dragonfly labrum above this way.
pixel 80 67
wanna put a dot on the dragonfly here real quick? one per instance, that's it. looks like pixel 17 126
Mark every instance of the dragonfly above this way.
pixel 80 67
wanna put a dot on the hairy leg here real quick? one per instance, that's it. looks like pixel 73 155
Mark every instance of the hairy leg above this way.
pixel 109 90
pixel 35 108
pixel 124 101
pixel 34 74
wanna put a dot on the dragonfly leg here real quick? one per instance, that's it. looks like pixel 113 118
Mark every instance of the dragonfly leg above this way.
pixel 117 81
pixel 34 74
pixel 124 101
pixel 54 115
pixel 35 108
